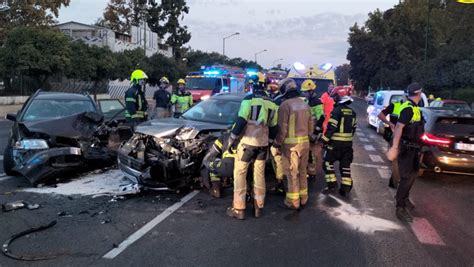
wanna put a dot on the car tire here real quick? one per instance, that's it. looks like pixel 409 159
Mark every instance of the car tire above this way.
pixel 8 163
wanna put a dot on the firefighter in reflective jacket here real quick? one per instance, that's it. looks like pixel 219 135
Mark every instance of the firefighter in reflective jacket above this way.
pixel 257 126
pixel 295 127
pixel 219 162
pixel 338 143
pixel 405 149
pixel 308 88
pixel 135 101
pixel 181 100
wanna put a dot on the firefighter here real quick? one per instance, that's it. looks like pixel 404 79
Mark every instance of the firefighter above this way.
pixel 295 127
pixel 182 100
pixel 431 98
pixel 393 111
pixel 308 88
pixel 135 101
pixel 256 127
pixel 277 97
pixel 405 149
pixel 163 99
pixel 337 141
pixel 219 162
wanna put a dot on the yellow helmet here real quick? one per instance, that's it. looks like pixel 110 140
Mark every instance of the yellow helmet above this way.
pixel 431 97
pixel 164 80
pixel 181 81
pixel 308 85
pixel 261 77
pixel 138 75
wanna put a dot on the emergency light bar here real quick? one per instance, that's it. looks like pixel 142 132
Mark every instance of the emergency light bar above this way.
pixel 212 72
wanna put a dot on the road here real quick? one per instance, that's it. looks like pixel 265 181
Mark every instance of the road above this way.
pixel 154 228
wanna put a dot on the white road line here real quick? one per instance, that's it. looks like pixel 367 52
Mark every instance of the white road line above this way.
pixel 425 232
pixel 360 134
pixel 370 166
pixel 375 158
pixel 363 139
pixel 148 227
pixel 3 177
pixel 384 173
pixel 1 157
pixel 369 147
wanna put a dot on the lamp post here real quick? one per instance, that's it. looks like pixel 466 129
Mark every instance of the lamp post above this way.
pixel 276 60
pixel 223 41
pixel 259 52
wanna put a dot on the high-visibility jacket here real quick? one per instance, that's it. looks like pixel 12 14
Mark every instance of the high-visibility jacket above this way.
pixel 295 122
pixel 135 103
pixel 182 101
pixel 413 131
pixel 341 127
pixel 397 108
pixel 257 120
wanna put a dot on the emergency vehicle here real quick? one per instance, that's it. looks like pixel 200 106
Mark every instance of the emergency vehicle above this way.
pixel 215 79
pixel 323 75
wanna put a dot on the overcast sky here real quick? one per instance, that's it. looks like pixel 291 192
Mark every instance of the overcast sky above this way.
pixel 309 31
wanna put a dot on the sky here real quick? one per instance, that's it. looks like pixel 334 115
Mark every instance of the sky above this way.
pixel 307 31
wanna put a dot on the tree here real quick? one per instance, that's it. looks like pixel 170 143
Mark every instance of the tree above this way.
pixel 342 74
pixel 164 19
pixel 120 15
pixel 159 66
pixel 197 58
pixel 129 60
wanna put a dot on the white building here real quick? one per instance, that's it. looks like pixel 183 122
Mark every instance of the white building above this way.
pixel 94 35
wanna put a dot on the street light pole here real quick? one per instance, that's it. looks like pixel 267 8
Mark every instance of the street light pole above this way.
pixel 223 41
pixel 275 61
pixel 259 52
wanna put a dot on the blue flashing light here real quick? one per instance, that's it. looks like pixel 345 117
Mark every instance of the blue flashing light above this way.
pixel 251 73
pixel 212 72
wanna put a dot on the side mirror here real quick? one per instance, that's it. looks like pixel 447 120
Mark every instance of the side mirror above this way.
pixel 11 116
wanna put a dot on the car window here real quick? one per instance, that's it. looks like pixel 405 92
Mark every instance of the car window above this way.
pixel 454 125
pixel 396 98
pixel 461 106
pixel 379 99
pixel 44 109
pixel 214 111
pixel 110 107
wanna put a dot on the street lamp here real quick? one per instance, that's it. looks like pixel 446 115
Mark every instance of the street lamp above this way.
pixel 259 52
pixel 276 60
pixel 223 41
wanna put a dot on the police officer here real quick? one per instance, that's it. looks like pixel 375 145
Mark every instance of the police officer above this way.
pixel 338 143
pixel 163 99
pixel 257 126
pixel 393 111
pixel 406 147
pixel 135 101
pixel 219 162
pixel 295 127
pixel 308 88
pixel 182 100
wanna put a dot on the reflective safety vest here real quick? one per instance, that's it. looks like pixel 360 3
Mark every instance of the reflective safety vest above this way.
pixel 135 103
pixel 182 102
pixel 414 130
pixel 397 108
pixel 341 126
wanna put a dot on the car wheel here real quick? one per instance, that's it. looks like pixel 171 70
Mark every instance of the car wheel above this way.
pixel 8 163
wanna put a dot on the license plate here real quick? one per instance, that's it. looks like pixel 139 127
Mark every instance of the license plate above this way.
pixel 464 146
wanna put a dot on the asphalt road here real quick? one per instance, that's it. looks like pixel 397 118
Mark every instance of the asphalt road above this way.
pixel 154 228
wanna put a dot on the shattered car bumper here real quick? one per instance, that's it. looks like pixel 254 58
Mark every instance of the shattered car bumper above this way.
pixel 47 162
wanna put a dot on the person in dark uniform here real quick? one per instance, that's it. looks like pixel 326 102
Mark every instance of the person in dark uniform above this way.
pixel 163 99
pixel 405 149
pixel 135 101
pixel 393 111
pixel 219 164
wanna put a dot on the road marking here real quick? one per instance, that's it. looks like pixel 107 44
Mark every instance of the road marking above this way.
pixel 1 157
pixel 425 232
pixel 369 148
pixel 149 226
pixel 372 136
pixel 375 158
pixel 384 173
pixel 363 139
pixel 370 166
pixel 3 177
pixel 360 134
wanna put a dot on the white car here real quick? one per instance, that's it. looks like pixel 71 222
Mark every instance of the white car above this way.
pixel 369 98
pixel 381 100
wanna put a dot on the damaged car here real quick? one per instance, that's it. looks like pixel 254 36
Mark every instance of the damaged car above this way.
pixel 56 132
pixel 167 153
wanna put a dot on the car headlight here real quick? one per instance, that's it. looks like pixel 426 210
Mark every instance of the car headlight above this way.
pixel 205 97
pixel 28 144
pixel 370 109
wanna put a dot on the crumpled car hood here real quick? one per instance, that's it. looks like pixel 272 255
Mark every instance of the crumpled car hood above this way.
pixel 168 126
pixel 74 126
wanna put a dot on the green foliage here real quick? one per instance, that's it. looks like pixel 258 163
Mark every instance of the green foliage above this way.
pixel 342 74
pixel 197 58
pixel 389 50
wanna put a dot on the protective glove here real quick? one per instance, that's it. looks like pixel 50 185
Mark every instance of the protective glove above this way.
pixel 232 144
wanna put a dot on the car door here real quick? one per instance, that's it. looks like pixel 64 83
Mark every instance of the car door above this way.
pixel 112 109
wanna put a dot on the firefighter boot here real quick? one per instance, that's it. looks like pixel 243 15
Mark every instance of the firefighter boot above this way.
pixel 235 213
pixel 403 214
pixel 216 189
pixel 344 190
pixel 331 188
pixel 258 211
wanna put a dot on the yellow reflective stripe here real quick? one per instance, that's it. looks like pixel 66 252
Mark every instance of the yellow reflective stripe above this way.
pixel 136 116
pixel 218 144
pixel 293 196
pixel 345 139
pixel 296 140
pixel 304 192
pixel 325 138
pixel 341 126
pixel 346 181
pixel 333 121
pixel 343 134
pixel 292 124
pixel 227 154
pixel 330 178
pixel 130 99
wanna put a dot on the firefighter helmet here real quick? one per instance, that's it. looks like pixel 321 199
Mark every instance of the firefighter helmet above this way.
pixel 287 85
pixel 308 85
pixel 138 75
pixel 164 80
pixel 181 81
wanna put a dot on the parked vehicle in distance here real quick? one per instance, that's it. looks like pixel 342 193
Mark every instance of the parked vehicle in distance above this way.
pixel 451 104
pixel 448 141
pixel 381 100
pixel 369 98
pixel 55 132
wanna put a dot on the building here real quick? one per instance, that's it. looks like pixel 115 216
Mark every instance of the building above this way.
pixel 117 42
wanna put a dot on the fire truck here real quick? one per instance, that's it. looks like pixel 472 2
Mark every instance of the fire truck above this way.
pixel 215 79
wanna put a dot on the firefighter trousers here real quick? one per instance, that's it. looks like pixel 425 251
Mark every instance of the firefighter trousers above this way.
pixel 276 163
pixel 221 168
pixel 295 164
pixel 247 154
pixel 408 165
pixel 315 157
pixel 343 154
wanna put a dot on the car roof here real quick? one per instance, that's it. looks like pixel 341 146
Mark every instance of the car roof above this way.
pixel 230 96
pixel 446 112
pixel 453 101
pixel 62 96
